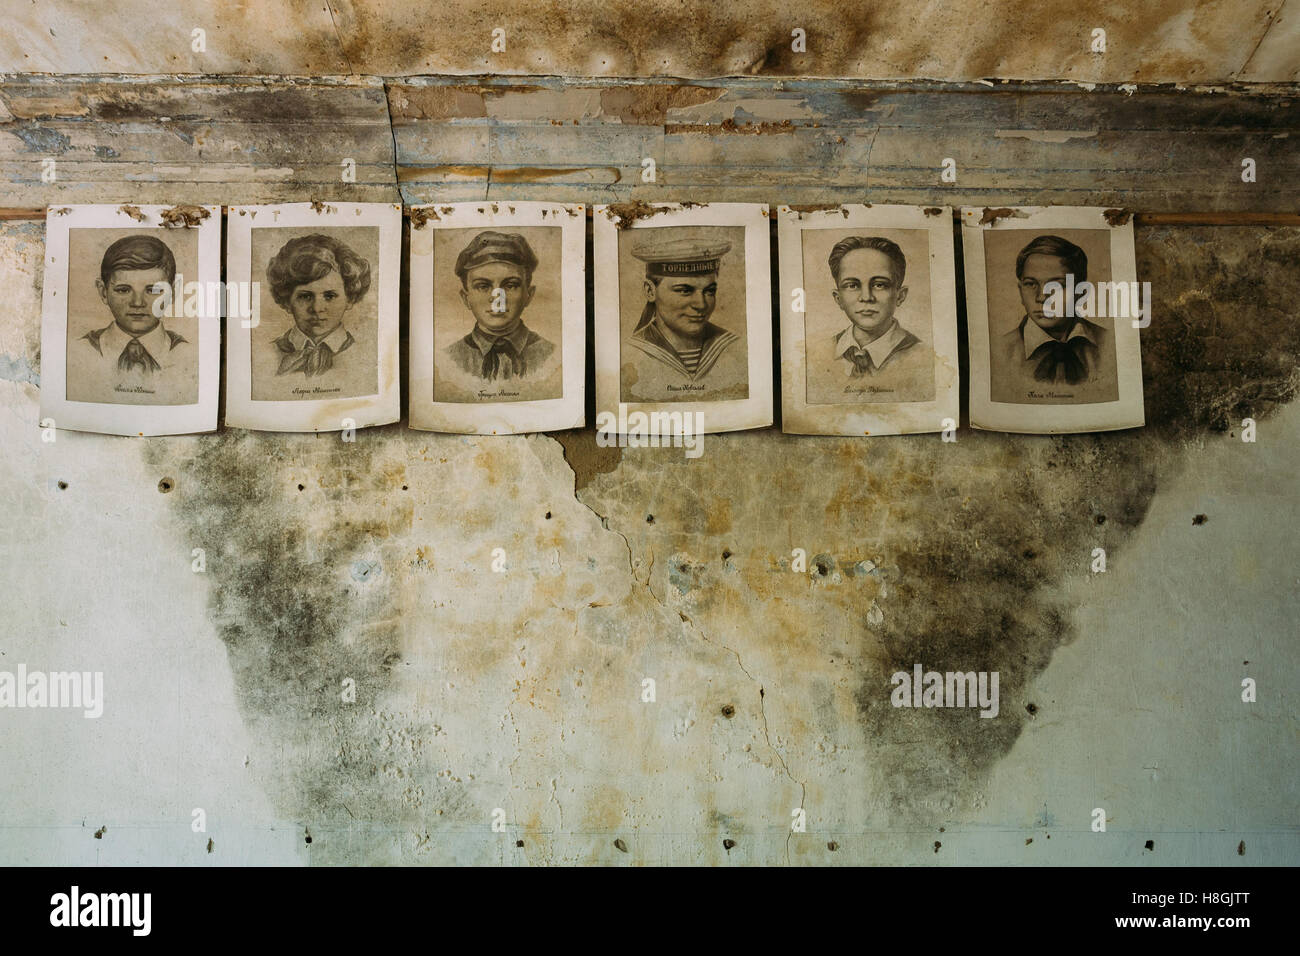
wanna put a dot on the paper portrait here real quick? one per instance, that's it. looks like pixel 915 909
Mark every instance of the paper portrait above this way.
pixel 498 317
pixel 868 320
pixel 319 350
pixel 1053 299
pixel 683 312
pixel 130 335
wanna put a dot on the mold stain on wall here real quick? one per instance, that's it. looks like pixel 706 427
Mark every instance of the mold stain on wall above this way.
pixel 522 689
pixel 1163 41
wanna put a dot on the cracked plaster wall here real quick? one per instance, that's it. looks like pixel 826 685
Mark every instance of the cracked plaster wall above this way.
pixel 521 690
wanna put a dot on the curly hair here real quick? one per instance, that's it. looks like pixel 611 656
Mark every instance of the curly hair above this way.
pixel 313 257
pixel 137 252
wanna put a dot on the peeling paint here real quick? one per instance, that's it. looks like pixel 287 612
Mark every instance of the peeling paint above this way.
pixel 508 174
pixel 184 216
pixel 38 139
pixel 993 215
pixel 624 214
pixel 653 104
pixel 16 368
pixel 819 207
pixel 422 214
pixel 1045 135
pixel 730 126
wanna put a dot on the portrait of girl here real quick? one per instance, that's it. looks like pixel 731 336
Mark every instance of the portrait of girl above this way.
pixel 317 335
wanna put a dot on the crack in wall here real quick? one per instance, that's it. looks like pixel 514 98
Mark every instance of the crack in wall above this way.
pixel 1275 17
pixel 686 619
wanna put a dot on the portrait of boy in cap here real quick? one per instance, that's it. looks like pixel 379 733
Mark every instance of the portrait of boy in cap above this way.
pixel 496 285
pixel 676 352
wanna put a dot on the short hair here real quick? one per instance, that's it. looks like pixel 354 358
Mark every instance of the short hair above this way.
pixel 1075 259
pixel 897 261
pixel 308 258
pixel 496 247
pixel 135 253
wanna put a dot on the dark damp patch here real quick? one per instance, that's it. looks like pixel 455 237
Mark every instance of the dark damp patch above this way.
pixel 982 593
pixel 292 596
pixel 1223 342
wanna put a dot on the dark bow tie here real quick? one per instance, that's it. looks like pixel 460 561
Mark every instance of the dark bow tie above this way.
pixel 136 354
pixel 502 360
pixel 1067 356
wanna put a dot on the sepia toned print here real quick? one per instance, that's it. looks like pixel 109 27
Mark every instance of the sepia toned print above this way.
pixel 868 320
pixel 498 320
pixel 130 325
pixel 682 311
pixel 320 351
pixel 125 347
pixel 1054 310
pixel 869 335
pixel 1035 358
pixel 498 317
pixel 317 338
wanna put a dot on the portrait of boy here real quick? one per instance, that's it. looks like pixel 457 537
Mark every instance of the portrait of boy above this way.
pixel 134 358
pixel 1064 357
pixel 496 285
pixel 877 352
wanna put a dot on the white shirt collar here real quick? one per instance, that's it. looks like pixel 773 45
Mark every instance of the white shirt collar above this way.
pixel 879 349
pixel 1034 336
pixel 334 340
pixel 158 343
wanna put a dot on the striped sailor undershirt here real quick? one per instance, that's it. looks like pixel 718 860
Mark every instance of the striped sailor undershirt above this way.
pixel 690 358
